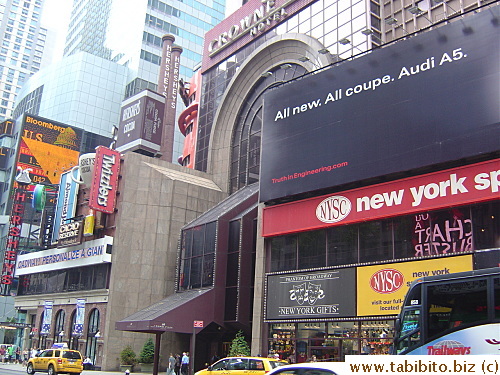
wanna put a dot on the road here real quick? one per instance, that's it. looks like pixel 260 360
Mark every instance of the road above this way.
pixel 14 369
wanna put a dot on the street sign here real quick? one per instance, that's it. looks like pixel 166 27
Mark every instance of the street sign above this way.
pixel 198 324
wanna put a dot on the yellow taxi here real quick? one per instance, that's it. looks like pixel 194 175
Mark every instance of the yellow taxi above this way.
pixel 242 366
pixel 56 360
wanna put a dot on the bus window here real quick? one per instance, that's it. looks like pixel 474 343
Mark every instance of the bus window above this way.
pixel 455 304
pixel 409 335
pixel 496 303
pixel 414 296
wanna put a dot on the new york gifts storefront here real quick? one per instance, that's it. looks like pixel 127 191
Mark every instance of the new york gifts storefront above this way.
pixel 335 287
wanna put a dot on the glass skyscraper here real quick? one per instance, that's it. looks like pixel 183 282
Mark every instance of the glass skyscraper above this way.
pixel 129 33
pixel 23 42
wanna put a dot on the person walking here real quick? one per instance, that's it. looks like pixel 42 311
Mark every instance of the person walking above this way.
pixel 171 365
pixel 185 363
pixel 177 368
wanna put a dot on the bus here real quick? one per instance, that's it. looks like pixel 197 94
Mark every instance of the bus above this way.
pixel 454 314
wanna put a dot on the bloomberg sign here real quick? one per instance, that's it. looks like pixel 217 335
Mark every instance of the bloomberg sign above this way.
pixel 423 101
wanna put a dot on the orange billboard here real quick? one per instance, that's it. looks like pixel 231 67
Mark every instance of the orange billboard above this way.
pixel 382 288
pixel 48 148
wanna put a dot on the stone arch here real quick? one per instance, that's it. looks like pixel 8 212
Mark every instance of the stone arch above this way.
pixel 286 48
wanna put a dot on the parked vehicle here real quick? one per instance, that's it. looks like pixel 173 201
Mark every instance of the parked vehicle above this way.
pixel 55 361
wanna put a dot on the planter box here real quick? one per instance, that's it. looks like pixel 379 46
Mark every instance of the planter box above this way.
pixel 146 368
pixel 124 368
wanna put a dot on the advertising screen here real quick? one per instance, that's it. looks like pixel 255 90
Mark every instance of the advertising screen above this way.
pixel 141 122
pixel 326 294
pixel 48 148
pixel 426 100
pixel 382 288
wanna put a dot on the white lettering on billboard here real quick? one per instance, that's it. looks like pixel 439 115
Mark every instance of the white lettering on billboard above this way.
pixel 108 161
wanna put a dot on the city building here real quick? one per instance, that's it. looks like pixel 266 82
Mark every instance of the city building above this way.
pixel 188 120
pixel 271 74
pixel 23 43
pixel 107 60
pixel 134 38
pixel 199 254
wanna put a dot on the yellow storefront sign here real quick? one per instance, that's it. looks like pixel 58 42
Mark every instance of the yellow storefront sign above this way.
pixel 382 288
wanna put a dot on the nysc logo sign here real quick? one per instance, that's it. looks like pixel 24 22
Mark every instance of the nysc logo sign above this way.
pixel 333 209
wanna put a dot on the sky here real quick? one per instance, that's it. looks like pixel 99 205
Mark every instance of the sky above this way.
pixel 55 17
pixel 56 13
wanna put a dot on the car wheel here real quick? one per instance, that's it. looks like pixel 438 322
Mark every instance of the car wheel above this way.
pixel 29 369
pixel 52 371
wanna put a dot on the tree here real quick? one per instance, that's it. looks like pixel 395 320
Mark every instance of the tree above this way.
pixel 239 346
pixel 127 356
pixel 147 353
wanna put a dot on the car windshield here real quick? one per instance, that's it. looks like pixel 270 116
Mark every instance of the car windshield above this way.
pixel 275 364
pixel 72 355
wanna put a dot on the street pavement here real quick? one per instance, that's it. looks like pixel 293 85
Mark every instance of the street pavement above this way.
pixel 15 369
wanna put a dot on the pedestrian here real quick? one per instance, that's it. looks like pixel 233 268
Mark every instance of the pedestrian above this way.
pixel 171 365
pixel 12 354
pixel 185 363
pixel 18 354
pixel 26 356
pixel 215 358
pixel 177 368
pixel 87 364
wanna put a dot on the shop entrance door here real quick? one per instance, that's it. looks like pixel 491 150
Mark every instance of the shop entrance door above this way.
pixel 330 352
pixel 335 350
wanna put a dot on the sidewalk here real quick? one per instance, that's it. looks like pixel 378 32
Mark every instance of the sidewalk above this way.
pixel 22 369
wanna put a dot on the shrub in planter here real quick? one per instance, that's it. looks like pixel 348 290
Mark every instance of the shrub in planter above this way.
pixel 127 356
pixel 147 353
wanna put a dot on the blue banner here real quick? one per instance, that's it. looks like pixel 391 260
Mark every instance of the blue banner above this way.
pixel 47 318
pixel 66 202
pixel 79 319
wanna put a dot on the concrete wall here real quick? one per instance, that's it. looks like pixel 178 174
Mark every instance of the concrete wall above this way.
pixel 156 200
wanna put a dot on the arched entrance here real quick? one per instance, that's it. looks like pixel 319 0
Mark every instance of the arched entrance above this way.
pixel 92 334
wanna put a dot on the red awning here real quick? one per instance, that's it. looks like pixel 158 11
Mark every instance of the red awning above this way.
pixel 176 313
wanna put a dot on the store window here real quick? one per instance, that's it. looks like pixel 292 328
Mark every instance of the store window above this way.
pixel 330 341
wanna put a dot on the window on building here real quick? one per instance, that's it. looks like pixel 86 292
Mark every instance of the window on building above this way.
pixel 197 256
pixel 93 327
pixel 59 326
pixel 245 147
pixel 454 230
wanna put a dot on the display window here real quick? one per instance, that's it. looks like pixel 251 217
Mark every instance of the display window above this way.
pixel 330 341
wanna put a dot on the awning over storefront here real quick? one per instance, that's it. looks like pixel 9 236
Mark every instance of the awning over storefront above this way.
pixel 176 313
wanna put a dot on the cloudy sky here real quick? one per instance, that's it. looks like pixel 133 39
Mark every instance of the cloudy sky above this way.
pixel 56 14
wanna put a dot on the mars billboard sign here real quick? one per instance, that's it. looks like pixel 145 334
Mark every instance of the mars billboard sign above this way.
pixel 423 101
